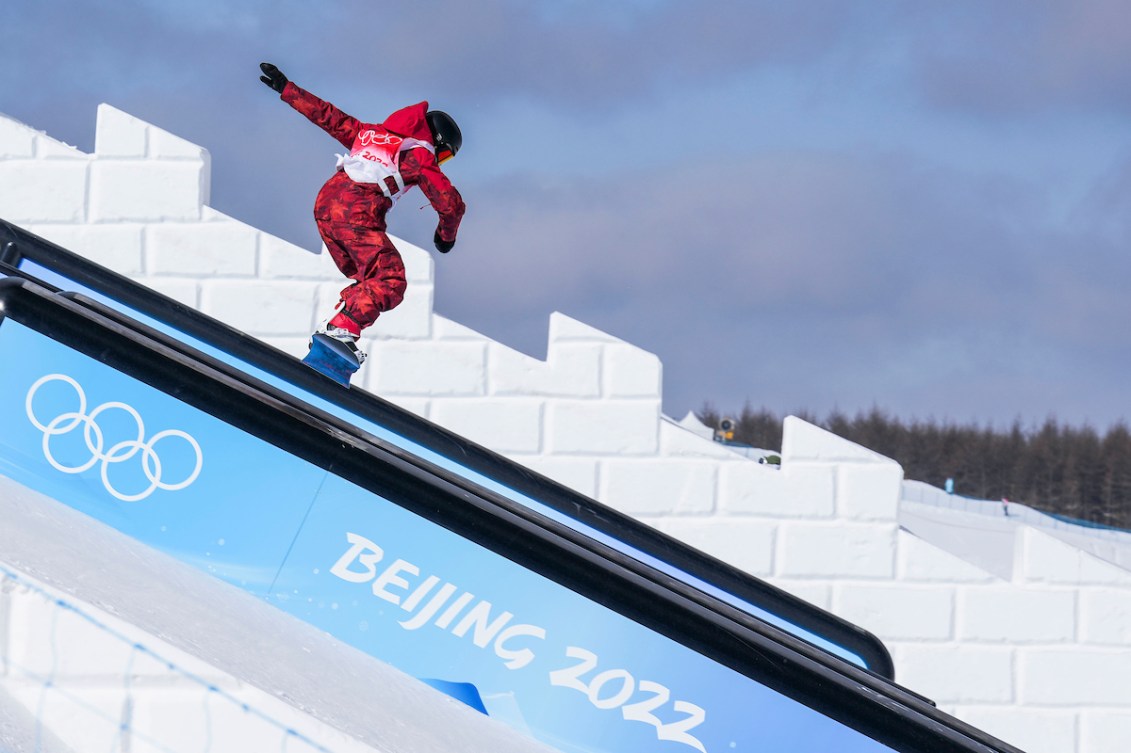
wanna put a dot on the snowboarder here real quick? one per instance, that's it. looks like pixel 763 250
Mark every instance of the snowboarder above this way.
pixel 383 162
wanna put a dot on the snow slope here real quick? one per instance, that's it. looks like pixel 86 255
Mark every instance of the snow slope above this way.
pixel 308 681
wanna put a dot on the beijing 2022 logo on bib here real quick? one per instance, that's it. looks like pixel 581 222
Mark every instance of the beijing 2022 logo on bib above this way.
pixel 112 434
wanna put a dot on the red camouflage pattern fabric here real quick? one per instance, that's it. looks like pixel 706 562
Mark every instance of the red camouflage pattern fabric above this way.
pixel 351 216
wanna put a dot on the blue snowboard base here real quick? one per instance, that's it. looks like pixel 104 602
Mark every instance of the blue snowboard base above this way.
pixel 332 358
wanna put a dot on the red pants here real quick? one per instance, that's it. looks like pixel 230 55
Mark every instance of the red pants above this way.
pixel 369 257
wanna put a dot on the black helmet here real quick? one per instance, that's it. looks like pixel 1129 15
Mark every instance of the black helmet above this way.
pixel 445 134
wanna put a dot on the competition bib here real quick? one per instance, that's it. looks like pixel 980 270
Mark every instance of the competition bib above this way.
pixel 374 158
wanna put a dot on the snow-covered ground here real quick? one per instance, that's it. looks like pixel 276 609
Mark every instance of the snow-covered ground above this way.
pixel 983 532
pixel 91 620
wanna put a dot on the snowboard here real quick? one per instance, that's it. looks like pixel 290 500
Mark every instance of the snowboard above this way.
pixel 332 358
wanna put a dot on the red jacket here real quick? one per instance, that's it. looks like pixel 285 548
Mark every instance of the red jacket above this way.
pixel 342 200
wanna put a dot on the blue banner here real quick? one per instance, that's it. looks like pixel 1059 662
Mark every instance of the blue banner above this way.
pixel 509 641
pixel 383 433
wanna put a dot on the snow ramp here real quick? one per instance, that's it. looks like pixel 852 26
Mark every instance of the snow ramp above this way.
pixel 536 607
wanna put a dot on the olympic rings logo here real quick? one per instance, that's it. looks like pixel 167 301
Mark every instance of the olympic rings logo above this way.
pixel 371 137
pixel 95 440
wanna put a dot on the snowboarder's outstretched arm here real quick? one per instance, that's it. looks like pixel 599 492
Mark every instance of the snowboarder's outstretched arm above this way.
pixel 342 127
pixel 442 195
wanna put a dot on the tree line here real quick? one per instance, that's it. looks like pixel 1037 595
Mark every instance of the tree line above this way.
pixel 1074 471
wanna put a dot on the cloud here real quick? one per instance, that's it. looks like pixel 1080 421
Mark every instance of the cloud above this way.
pixel 821 227
pixel 828 278
pixel 583 53
pixel 588 53
pixel 1020 57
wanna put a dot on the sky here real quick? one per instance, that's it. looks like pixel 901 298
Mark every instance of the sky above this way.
pixel 800 206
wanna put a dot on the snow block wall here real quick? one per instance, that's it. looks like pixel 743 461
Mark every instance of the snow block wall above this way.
pixel 96 682
pixel 1040 659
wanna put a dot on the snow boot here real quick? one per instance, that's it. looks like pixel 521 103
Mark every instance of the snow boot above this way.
pixel 342 327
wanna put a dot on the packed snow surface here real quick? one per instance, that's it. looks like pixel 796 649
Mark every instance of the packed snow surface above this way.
pixel 236 633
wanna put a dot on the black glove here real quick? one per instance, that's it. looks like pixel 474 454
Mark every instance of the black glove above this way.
pixel 273 78
pixel 442 246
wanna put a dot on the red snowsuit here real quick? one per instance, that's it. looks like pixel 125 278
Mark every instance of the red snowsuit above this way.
pixel 351 215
